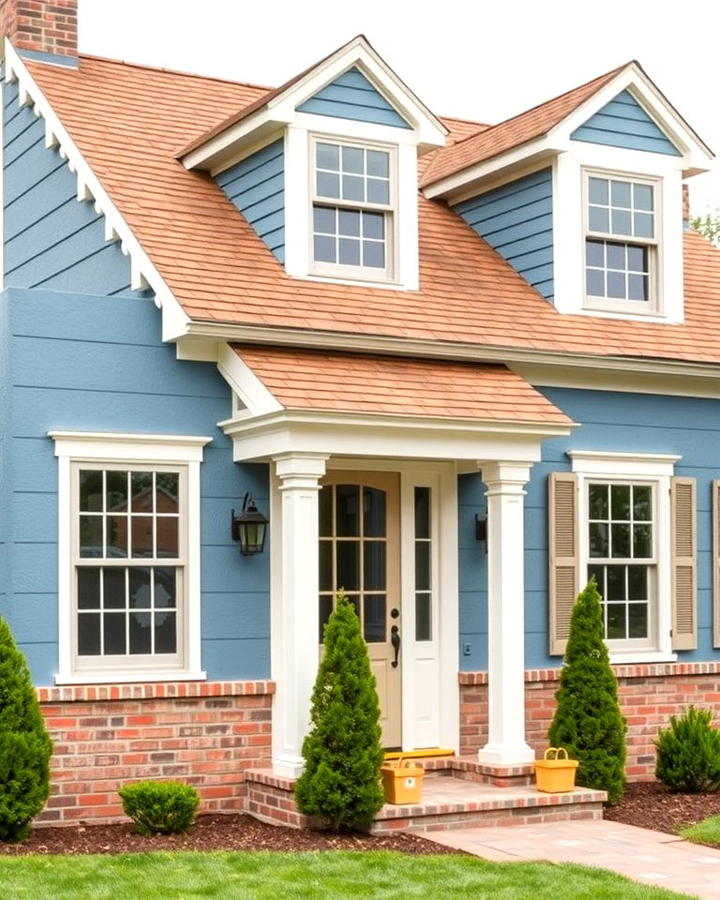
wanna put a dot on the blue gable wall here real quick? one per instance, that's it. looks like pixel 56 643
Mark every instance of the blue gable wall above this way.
pixel 610 421
pixel 351 96
pixel 51 240
pixel 516 220
pixel 624 123
pixel 256 186
pixel 119 376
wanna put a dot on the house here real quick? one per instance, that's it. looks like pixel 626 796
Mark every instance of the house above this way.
pixel 458 368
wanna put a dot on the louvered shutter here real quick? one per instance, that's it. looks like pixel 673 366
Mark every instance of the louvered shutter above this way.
pixel 684 564
pixel 716 562
pixel 563 556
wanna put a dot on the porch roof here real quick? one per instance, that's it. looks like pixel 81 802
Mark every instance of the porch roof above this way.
pixel 397 386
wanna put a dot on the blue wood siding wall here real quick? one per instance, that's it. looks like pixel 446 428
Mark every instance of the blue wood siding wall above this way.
pixel 624 123
pixel 610 421
pixel 516 220
pixel 256 186
pixel 351 96
pixel 115 374
pixel 51 240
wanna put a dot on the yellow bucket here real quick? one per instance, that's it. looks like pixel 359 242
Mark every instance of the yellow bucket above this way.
pixel 555 774
pixel 402 782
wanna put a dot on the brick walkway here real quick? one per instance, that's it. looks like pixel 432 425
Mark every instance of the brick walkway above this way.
pixel 649 856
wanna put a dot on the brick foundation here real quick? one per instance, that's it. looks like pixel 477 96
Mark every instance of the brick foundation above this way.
pixel 649 695
pixel 205 734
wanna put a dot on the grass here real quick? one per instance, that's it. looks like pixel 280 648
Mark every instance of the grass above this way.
pixel 337 875
pixel 705 832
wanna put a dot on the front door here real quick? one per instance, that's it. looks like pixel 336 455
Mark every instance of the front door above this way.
pixel 360 554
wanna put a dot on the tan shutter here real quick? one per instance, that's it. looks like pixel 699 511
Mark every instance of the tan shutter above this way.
pixel 563 556
pixel 716 562
pixel 684 565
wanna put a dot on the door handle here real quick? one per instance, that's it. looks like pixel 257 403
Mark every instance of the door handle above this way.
pixel 395 641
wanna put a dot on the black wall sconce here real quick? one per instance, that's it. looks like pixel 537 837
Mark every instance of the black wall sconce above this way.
pixel 249 527
pixel 481 529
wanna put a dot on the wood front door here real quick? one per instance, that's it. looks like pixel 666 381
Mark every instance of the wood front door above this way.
pixel 360 554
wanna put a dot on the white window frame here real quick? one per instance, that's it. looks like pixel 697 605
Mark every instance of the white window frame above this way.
pixel 650 469
pixel 654 305
pixel 104 450
pixel 389 211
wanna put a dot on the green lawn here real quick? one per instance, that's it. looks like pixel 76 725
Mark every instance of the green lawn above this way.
pixel 335 875
pixel 705 832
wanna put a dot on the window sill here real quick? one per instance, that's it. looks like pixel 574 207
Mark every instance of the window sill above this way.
pixel 125 677
pixel 633 657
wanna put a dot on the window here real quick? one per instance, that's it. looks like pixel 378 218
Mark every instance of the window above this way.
pixel 621 244
pixel 129 557
pixel 352 210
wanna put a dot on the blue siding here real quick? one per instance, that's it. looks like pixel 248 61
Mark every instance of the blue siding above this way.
pixel 610 421
pixel 351 96
pixel 256 186
pixel 51 240
pixel 517 220
pixel 624 123
pixel 119 376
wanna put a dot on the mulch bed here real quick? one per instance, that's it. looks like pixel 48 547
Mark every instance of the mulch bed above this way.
pixel 651 805
pixel 226 832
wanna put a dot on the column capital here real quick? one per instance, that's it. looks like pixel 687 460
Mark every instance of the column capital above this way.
pixel 505 473
pixel 299 469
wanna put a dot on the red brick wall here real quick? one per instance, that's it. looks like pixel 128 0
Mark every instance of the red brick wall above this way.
pixel 204 734
pixel 47 26
pixel 649 695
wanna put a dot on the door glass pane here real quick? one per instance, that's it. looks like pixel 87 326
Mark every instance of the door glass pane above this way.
pixel 326 511
pixel 374 565
pixel 374 512
pixel 422 565
pixel 422 512
pixel 375 618
pixel 348 565
pixel 326 566
pixel 348 508
pixel 422 617
pixel 326 606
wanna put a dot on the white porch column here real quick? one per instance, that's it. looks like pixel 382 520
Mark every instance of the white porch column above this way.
pixel 294 625
pixel 506 744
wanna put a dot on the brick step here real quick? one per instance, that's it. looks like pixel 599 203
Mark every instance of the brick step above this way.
pixel 469 769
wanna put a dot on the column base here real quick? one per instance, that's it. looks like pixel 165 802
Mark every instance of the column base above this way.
pixel 288 766
pixel 501 754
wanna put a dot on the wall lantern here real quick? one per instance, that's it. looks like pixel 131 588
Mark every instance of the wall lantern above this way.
pixel 249 527
pixel 481 529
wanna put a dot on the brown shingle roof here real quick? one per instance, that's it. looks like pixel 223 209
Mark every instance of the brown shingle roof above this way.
pixel 342 382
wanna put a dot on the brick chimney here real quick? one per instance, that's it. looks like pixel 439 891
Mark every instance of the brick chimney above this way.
pixel 41 26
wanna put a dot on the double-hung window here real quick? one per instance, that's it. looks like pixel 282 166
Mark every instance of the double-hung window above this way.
pixel 352 209
pixel 621 243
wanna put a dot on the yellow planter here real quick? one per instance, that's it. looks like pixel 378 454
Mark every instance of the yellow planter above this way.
pixel 402 782
pixel 555 774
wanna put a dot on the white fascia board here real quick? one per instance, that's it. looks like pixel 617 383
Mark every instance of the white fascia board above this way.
pixel 429 133
pixel 696 155
pixel 144 273
pixel 467 182
pixel 102 445
pixel 257 399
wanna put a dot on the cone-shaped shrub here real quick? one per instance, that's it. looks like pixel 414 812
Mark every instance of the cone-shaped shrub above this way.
pixel 25 746
pixel 342 752
pixel 587 720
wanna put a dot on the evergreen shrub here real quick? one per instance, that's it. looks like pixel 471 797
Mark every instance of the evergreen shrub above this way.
pixel 25 746
pixel 160 807
pixel 342 752
pixel 587 720
pixel 688 753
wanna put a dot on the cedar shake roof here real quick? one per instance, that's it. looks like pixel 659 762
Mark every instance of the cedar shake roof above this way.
pixel 341 382
pixel 531 124
pixel 129 122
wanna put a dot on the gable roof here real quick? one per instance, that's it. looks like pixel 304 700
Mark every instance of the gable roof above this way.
pixel 222 273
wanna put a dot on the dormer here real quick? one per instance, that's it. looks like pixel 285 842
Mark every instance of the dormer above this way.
pixel 325 169
pixel 583 196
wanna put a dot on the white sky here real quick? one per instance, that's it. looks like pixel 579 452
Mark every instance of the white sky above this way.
pixel 476 60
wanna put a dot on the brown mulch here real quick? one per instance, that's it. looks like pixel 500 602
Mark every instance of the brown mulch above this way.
pixel 225 832
pixel 651 805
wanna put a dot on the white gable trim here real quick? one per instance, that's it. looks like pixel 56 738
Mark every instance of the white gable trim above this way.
pixel 143 273
pixel 280 110
pixel 256 398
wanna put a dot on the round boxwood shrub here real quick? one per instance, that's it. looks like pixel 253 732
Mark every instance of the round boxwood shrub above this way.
pixel 342 752
pixel 160 807
pixel 25 746
pixel 587 721
pixel 688 753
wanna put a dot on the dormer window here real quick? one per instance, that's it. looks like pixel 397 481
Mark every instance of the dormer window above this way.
pixel 352 210
pixel 621 244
